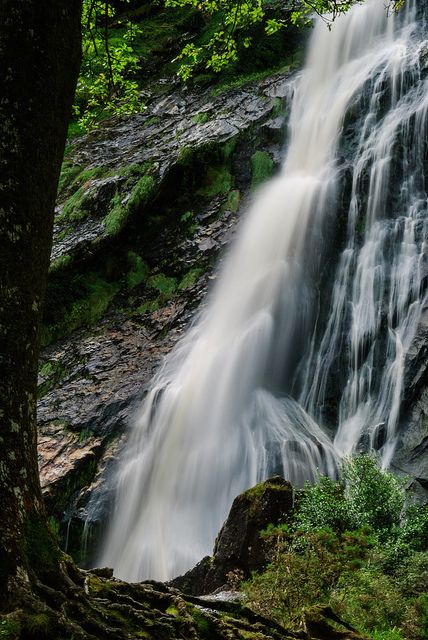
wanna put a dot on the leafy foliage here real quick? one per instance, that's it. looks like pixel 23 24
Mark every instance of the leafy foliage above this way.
pixel 366 496
pixel 352 545
pixel 107 82
pixel 237 18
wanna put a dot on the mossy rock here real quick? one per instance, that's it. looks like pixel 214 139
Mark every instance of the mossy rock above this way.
pixel 262 167
pixel 239 548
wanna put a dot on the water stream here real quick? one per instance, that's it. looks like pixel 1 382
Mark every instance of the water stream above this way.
pixel 298 357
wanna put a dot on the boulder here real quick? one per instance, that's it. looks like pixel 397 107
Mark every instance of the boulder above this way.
pixel 240 549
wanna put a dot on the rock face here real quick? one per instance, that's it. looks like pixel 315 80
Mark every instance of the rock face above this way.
pixel 106 170
pixel 412 449
pixel 136 274
pixel 239 548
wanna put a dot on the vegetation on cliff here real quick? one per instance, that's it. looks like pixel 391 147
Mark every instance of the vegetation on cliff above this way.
pixel 354 546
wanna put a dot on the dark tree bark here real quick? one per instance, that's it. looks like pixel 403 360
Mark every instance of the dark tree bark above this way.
pixel 39 63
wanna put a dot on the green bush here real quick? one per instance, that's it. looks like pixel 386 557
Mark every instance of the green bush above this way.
pixel 375 497
pixel 368 599
pixel 323 505
pixel 365 496
pixel 305 569
pixel 350 545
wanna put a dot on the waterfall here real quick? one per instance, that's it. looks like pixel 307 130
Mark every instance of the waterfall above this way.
pixel 280 360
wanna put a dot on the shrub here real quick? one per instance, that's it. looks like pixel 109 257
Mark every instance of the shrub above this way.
pixel 365 496
pixel 305 568
pixel 368 599
pixel 352 546
pixel 375 497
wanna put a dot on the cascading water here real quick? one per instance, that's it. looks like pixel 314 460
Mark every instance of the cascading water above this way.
pixel 248 391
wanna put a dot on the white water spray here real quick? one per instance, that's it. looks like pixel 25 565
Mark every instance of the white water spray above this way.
pixel 220 415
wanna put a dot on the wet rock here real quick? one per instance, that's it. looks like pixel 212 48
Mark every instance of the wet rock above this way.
pixel 92 382
pixel 239 548
pixel 411 455
pixel 170 126
pixel 65 462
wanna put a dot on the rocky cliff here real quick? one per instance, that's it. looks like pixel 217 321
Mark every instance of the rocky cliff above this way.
pixel 146 207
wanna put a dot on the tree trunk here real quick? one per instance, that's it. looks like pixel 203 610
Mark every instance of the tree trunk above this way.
pixel 39 63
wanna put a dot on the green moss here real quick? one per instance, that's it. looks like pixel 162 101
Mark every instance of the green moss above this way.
pixel 51 372
pixel 258 490
pixel 148 307
pixel 151 120
pixel 255 494
pixel 69 173
pixel 242 80
pixel 142 192
pixel 9 629
pixel 172 611
pixel 74 179
pixel 135 169
pixel 97 586
pixel 39 625
pixel 116 217
pixel 139 270
pixel 74 209
pixel 201 118
pixel 190 278
pixel 188 215
pixel 229 147
pixel 78 205
pixel 74 176
pixel 120 209
pixel 54 527
pixel 47 369
pixel 233 200
pixel 203 625
pixel 61 262
pixel 40 549
pixel 166 286
pixel 218 180
pixel 185 155
pixel 277 107
pixel 262 167
pixel 84 311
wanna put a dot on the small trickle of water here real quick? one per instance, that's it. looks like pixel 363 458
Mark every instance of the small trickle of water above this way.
pixel 247 392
